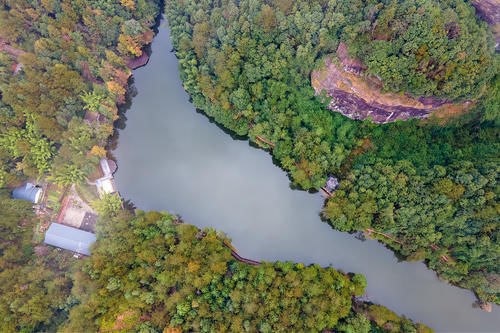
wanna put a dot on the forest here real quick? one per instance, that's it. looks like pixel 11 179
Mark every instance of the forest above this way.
pixel 64 69
pixel 431 187
pixel 426 188
pixel 35 281
pixel 58 60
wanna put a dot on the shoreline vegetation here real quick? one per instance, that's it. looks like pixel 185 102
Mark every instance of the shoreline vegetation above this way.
pixel 431 185
pixel 61 82
pixel 58 103
pixel 207 289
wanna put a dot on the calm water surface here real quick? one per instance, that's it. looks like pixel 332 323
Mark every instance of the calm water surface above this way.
pixel 172 158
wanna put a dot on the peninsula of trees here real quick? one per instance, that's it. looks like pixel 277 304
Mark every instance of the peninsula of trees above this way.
pixel 149 272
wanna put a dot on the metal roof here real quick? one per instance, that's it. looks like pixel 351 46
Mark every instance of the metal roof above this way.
pixel 69 238
pixel 27 192
pixel 105 185
pixel 332 183
pixel 105 167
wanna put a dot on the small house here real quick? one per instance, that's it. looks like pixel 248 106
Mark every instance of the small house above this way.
pixel 68 238
pixel 106 170
pixel 29 192
pixel 331 184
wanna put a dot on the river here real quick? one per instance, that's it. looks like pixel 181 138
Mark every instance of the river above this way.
pixel 173 158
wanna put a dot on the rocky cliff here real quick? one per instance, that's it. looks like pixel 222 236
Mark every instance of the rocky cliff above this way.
pixel 489 11
pixel 358 95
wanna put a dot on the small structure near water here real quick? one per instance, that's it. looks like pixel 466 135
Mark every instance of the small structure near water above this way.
pixel 330 186
pixel 69 238
pixel 106 184
pixel 29 192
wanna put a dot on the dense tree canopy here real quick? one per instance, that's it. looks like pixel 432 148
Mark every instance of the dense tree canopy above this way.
pixel 57 60
pixel 35 282
pixel 247 65
pixel 165 274
pixel 437 195
pixel 432 48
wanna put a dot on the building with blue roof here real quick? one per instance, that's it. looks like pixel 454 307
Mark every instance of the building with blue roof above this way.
pixel 28 192
pixel 69 238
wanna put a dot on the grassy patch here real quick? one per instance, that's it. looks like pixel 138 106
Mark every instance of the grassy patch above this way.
pixel 88 193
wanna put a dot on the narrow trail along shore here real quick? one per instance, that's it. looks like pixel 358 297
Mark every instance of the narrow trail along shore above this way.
pixel 240 258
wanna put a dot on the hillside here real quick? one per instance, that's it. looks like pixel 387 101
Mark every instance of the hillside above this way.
pixel 358 95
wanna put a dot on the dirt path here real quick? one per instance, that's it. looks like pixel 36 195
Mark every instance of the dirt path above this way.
pixel 9 49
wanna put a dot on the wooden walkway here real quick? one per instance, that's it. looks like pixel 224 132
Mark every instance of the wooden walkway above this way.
pixel 434 247
pixel 240 258
pixel 265 141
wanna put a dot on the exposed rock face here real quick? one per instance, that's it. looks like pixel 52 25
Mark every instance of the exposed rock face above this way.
pixel 359 96
pixel 139 61
pixel 489 11
pixel 486 306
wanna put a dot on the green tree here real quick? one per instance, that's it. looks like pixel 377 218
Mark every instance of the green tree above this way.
pixel 109 205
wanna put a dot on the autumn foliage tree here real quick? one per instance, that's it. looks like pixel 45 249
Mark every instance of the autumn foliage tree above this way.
pixel 69 57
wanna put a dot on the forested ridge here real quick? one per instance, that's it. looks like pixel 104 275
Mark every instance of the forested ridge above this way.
pixel 430 186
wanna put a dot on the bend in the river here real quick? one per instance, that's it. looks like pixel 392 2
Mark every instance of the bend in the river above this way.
pixel 172 158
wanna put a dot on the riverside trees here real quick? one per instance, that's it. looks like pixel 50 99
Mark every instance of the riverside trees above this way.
pixel 163 274
pixel 247 65
pixel 436 195
pixel 150 273
pixel 69 57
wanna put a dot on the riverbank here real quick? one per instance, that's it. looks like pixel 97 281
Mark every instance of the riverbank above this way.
pixel 225 183
pixel 365 304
